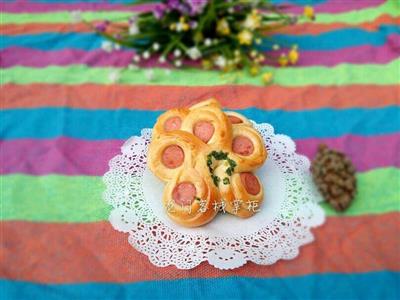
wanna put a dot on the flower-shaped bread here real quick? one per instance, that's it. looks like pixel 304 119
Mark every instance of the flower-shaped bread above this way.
pixel 206 157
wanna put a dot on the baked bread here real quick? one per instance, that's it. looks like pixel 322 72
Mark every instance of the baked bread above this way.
pixel 206 157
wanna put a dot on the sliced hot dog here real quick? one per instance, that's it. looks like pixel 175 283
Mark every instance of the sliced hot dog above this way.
pixel 173 123
pixel 184 193
pixel 235 120
pixel 250 183
pixel 203 130
pixel 242 145
pixel 172 156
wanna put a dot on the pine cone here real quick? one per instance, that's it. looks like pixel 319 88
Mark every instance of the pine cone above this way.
pixel 334 175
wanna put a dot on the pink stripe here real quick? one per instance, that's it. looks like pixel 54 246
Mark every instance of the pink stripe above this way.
pixel 331 6
pixel 78 157
pixel 32 7
pixel 98 58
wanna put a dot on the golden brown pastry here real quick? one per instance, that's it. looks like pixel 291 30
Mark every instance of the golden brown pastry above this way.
pixel 248 148
pixel 237 119
pixel 189 197
pixel 170 120
pixel 208 122
pixel 243 195
pixel 172 151
pixel 206 157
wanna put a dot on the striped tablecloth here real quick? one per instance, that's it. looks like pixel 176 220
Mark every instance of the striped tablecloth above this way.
pixel 61 121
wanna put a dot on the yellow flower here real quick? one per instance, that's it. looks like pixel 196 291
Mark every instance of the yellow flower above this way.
pixel 206 63
pixel 309 12
pixel 254 70
pixel 223 27
pixel 245 37
pixel 252 21
pixel 267 78
pixel 283 60
pixel 293 55
pixel 172 26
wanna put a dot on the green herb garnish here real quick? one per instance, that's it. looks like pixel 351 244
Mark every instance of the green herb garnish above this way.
pixel 226 180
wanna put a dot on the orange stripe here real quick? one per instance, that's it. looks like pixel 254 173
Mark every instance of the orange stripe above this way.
pixel 61 253
pixel 237 97
pixel 307 28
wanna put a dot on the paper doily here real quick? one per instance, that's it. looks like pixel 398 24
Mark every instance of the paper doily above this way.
pixel 284 222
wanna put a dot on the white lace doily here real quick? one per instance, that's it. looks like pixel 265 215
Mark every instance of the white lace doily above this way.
pixel 284 222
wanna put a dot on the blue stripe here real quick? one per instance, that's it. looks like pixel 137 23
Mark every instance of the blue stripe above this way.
pixel 121 124
pixel 374 285
pixel 338 39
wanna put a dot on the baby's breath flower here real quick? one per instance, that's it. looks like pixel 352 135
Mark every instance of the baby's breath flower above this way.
pixel 76 16
pixel 258 41
pixel 177 52
pixel 178 63
pixel 253 53
pixel 136 58
pixel 133 29
pixel 149 74
pixel 146 55
pixel 156 46
pixel 275 47
pixel 132 67
pixel 107 46
pixel 245 37
pixel 267 78
pixel 220 61
pixel 194 53
pixel 207 42
pixel 161 59
pixel 117 46
pixel 114 76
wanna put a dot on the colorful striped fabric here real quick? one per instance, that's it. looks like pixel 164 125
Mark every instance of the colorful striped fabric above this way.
pixel 61 122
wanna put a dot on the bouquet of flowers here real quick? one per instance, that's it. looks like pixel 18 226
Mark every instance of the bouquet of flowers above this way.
pixel 219 34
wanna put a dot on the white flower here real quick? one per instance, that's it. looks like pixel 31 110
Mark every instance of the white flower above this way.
pixel 136 58
pixel 146 54
pixel 114 76
pixel 132 67
pixel 258 41
pixel 193 24
pixel 156 46
pixel 179 26
pixel 178 63
pixel 76 16
pixel 253 53
pixel 161 59
pixel 117 46
pixel 275 47
pixel 149 74
pixel 133 29
pixel 177 52
pixel 167 72
pixel 220 61
pixel 107 46
pixel 231 10
pixel 207 42
pixel 194 53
